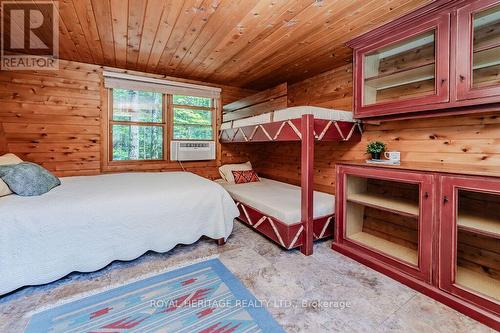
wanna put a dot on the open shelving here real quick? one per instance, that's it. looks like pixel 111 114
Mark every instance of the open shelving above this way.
pixel 478 282
pixel 401 70
pixel 478 242
pixel 479 212
pixel 384 216
pixel 479 223
pixel 399 205
pixel 380 244
pixel 402 77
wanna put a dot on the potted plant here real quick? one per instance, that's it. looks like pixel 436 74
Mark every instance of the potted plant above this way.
pixel 375 148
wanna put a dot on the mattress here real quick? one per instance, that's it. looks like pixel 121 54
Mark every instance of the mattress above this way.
pixel 291 113
pixel 279 200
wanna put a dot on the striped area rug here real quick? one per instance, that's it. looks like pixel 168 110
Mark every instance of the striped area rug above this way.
pixel 204 297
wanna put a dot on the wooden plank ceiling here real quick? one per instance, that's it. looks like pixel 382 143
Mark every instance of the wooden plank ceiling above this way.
pixel 247 43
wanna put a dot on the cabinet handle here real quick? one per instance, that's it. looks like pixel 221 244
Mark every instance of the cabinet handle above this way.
pixel 426 195
pixel 443 81
pixel 462 78
pixel 445 199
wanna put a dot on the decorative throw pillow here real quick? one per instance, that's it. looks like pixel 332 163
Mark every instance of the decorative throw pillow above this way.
pixel 245 176
pixel 28 179
pixel 7 159
pixel 227 169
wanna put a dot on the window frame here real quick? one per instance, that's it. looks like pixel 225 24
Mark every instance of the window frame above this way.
pixel 212 109
pixel 167 124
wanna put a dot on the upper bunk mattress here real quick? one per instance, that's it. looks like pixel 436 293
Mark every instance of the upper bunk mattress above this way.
pixel 279 200
pixel 291 113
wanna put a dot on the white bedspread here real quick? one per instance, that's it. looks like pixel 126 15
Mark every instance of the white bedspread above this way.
pixel 277 199
pixel 88 222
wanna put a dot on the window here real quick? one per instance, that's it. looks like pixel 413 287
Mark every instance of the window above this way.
pixel 139 122
pixel 193 118
pixel 137 125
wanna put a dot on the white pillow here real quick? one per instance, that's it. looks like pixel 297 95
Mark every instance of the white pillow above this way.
pixel 7 159
pixel 226 171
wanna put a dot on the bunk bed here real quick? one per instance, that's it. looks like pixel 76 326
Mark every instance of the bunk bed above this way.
pixel 307 125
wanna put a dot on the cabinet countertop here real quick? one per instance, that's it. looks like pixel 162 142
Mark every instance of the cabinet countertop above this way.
pixel 462 169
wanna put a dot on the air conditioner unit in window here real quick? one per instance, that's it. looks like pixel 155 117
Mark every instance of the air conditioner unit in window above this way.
pixel 192 150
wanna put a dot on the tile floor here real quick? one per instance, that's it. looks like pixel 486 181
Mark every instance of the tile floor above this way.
pixel 326 292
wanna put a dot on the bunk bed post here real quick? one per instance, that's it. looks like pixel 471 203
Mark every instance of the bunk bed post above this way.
pixel 306 168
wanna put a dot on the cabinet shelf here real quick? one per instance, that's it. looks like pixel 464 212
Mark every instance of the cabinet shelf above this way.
pixel 402 77
pixel 486 58
pixel 480 224
pixel 479 282
pixel 395 250
pixel 391 204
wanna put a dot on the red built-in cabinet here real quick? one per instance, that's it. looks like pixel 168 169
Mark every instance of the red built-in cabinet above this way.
pixel 438 233
pixel 442 59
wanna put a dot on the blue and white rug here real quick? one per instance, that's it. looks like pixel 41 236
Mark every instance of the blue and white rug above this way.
pixel 204 297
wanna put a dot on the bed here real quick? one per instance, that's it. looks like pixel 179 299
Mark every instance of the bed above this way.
pixel 291 113
pixel 273 209
pixel 287 124
pixel 90 221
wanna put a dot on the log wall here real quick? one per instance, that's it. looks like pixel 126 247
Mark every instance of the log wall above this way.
pixel 54 118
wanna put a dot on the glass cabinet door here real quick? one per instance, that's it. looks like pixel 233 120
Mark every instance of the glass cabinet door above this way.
pixel 401 71
pixel 479 50
pixel 387 215
pixel 478 243
pixel 408 69
pixel 470 240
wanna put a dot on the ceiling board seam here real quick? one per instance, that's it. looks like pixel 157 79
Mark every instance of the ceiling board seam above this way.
pixel 251 66
pixel 99 32
pixel 194 40
pixel 305 56
pixel 170 35
pixel 142 31
pixel 187 67
pixel 167 62
pixel 83 32
pixel 154 38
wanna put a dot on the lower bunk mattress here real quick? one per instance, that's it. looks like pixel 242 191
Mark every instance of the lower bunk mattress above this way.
pixel 273 208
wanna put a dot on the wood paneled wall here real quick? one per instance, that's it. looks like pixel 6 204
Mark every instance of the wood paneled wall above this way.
pixel 3 140
pixel 467 140
pixel 332 89
pixel 264 101
pixel 54 118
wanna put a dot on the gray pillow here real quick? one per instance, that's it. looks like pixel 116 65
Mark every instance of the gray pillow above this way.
pixel 28 179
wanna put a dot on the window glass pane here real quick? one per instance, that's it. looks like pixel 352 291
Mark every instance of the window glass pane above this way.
pixel 486 49
pixel 193 117
pixel 132 142
pixel 193 132
pixel 401 71
pixel 192 101
pixel 137 105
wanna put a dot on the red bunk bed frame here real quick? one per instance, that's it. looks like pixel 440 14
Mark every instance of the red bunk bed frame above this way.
pixel 306 129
